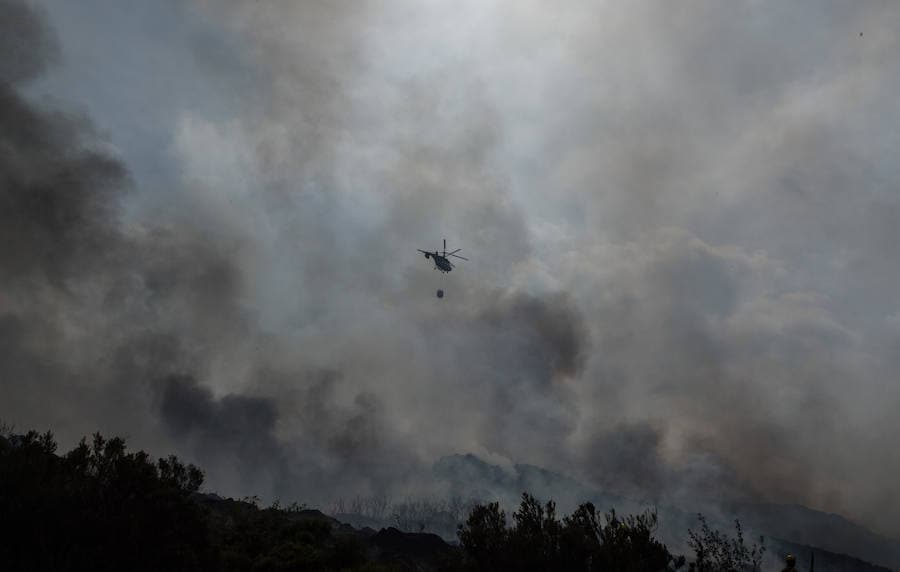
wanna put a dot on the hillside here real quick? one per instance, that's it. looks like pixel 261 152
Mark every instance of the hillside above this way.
pixel 102 507
pixel 788 528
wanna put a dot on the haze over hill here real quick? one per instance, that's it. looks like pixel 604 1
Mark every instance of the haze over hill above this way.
pixel 682 222
pixel 788 528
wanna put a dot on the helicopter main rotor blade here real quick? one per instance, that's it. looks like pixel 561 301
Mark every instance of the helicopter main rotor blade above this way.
pixel 454 252
pixel 458 256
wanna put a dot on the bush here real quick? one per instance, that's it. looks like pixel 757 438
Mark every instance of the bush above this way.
pixel 715 551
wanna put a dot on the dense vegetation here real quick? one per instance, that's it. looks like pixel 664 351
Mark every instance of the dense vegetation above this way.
pixel 100 507
pixel 539 541
pixel 97 507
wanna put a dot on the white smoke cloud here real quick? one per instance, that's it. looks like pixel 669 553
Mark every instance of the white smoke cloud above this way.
pixel 680 218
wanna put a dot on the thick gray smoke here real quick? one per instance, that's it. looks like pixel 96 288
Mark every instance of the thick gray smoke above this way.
pixel 681 221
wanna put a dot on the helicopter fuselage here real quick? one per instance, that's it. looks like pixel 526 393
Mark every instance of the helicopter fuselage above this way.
pixel 442 257
pixel 440 262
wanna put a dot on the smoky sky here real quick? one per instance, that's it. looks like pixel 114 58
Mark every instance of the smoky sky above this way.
pixel 681 222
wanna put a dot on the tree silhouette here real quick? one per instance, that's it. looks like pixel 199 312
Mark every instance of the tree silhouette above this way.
pixel 99 507
pixel 539 541
pixel 484 537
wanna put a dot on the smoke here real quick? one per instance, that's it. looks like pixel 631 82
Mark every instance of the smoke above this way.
pixel 28 45
pixel 243 426
pixel 680 224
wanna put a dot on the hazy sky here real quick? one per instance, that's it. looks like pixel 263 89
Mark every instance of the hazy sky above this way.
pixel 682 221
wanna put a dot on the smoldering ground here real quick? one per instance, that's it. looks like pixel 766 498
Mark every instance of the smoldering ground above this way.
pixel 680 251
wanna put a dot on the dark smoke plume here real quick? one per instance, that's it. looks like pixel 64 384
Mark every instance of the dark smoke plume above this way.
pixel 680 221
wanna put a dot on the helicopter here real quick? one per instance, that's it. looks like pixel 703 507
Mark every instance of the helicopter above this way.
pixel 441 260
